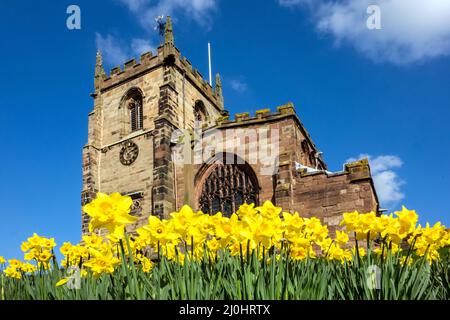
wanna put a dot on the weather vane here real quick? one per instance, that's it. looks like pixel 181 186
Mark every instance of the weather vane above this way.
pixel 160 26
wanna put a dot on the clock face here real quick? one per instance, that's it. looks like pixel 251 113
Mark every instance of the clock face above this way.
pixel 129 153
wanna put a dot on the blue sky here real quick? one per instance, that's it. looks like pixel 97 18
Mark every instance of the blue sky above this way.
pixel 384 92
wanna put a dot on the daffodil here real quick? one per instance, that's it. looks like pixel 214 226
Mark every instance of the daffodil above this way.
pixel 13 272
pixel 315 229
pixel 101 262
pixel 246 210
pixel 428 240
pixel 34 241
pixel 408 220
pixel 38 248
pixel 262 230
pixel 15 263
pixel 350 220
pixel 408 262
pixel 66 248
pixel 92 241
pixel 145 262
pixel 196 236
pixel 110 212
pixel 213 245
pixel 299 253
pixel 44 256
pixel 268 210
pixel 62 282
pixel 338 253
pixel 361 251
pixel 227 229
pixel 28 267
pixel 48 243
pixel 183 219
pixel 200 229
pixel 138 243
pixel 26 246
pixel 293 222
pixel 157 231
pixel 341 237
pixel 33 254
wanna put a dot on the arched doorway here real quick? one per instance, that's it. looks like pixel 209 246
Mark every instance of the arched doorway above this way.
pixel 227 183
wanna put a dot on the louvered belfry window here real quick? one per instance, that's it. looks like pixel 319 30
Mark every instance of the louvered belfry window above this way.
pixel 136 117
pixel 135 107
pixel 227 187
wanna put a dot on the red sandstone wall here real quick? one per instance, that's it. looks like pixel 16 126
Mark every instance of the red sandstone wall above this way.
pixel 326 196
pixel 329 196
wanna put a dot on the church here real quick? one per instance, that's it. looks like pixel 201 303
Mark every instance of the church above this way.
pixel 160 133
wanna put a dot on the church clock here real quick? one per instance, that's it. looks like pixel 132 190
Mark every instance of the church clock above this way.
pixel 129 153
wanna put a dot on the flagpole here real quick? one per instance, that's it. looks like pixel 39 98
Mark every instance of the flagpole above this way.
pixel 209 63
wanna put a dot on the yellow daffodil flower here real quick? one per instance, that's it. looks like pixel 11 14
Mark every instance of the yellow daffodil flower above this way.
pixel 110 212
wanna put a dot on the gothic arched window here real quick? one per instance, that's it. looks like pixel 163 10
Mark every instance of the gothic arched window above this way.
pixel 227 187
pixel 305 147
pixel 200 112
pixel 133 104
pixel 312 159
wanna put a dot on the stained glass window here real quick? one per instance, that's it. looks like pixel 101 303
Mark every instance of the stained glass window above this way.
pixel 227 187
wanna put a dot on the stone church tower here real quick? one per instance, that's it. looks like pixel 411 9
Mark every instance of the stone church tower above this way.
pixel 133 146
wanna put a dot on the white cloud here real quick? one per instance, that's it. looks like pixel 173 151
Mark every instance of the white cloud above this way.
pixel 115 53
pixel 383 163
pixel 238 85
pixel 139 46
pixel 135 5
pixel 146 10
pixel 387 182
pixel 294 3
pixel 412 30
pixel 388 186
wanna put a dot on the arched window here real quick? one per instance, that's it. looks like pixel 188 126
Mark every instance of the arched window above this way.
pixel 200 114
pixel 135 108
pixel 312 159
pixel 133 103
pixel 305 147
pixel 227 187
